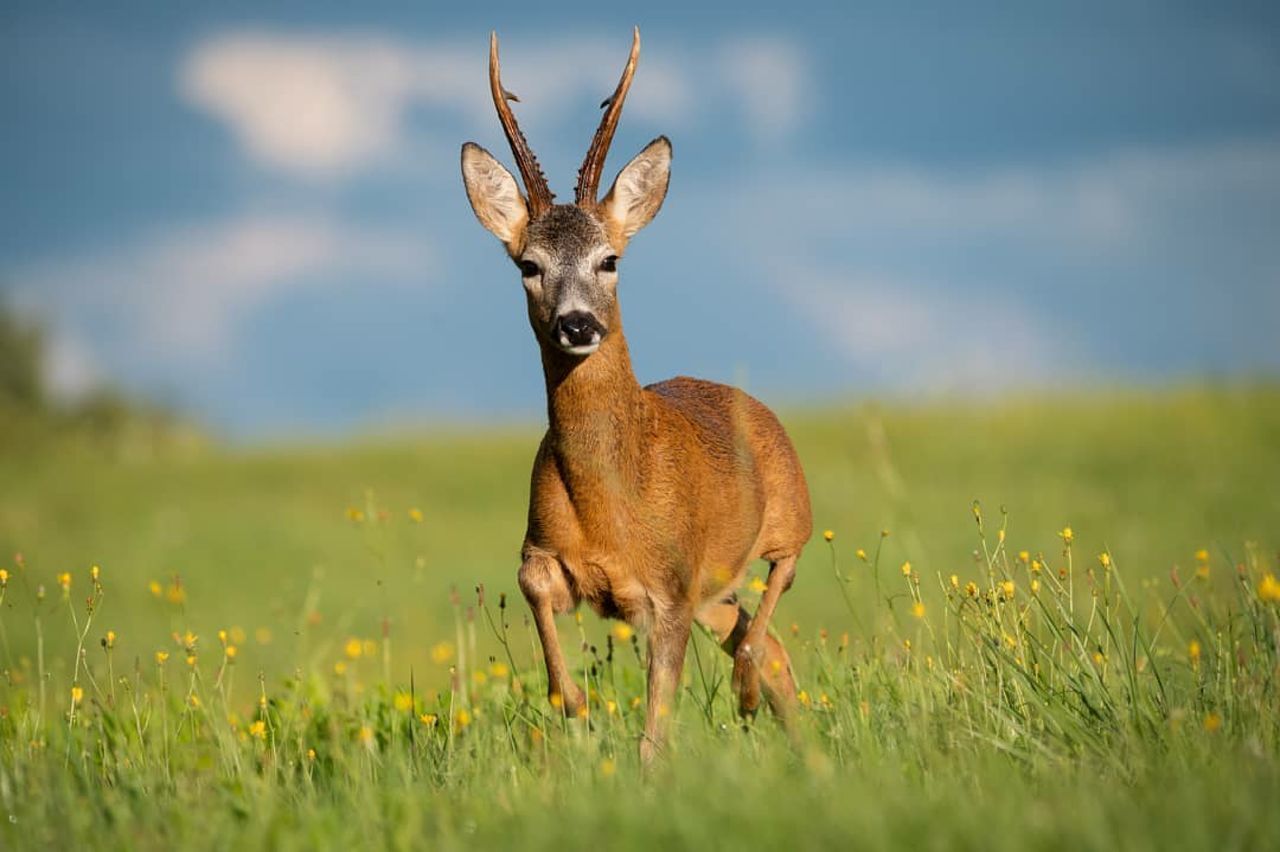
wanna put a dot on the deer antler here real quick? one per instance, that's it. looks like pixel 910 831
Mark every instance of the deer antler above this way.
pixel 535 182
pixel 593 164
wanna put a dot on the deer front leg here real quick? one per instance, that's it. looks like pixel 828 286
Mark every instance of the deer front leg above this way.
pixel 753 647
pixel 668 640
pixel 545 588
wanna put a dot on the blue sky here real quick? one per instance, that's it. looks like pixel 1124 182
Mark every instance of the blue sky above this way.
pixel 256 214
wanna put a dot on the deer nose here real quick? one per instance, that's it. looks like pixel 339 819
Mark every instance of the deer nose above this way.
pixel 578 328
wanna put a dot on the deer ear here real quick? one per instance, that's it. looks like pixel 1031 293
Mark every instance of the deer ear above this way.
pixel 495 196
pixel 638 191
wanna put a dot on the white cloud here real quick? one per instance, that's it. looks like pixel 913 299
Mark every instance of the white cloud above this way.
pixel 181 293
pixel 317 107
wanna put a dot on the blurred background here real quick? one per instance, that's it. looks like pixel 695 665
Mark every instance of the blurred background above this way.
pixel 234 245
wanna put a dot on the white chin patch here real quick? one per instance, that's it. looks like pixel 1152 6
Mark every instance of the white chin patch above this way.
pixel 584 349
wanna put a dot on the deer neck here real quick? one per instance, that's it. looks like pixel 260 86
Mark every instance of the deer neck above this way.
pixel 597 413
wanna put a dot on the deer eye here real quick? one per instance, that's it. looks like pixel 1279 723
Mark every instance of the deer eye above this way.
pixel 609 264
pixel 529 269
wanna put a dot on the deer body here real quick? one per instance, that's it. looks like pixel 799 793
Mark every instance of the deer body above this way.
pixel 650 503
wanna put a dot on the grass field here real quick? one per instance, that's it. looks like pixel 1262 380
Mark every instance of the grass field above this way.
pixel 285 646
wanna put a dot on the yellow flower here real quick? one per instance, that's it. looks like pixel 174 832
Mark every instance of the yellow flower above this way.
pixel 231 652
pixel 1099 658
pixel 155 589
pixel 861 554
pixel 1104 559
pixel 428 719
pixel 403 702
pixel 971 589
pixel 611 707
pixel 1035 586
pixel 353 648
pixel 479 678
pixel 222 636
pixel 441 653
pixel 1193 652
pixel 258 728
pixel 1007 589
pixel 955 581
pixel 1036 566
pixel 608 767
pixel 462 717
pixel 1202 555
pixel 1212 722
pixel 64 580
pixel 110 641
pixel 175 594
pixel 94 573
pixel 803 697
pixel 757 585
pixel 1067 536
pixel 1024 556
pixel 4 578
pixel 498 670
pixel 77 695
pixel 415 515
pixel 355 515
pixel 311 754
pixel 917 609
pixel 828 535
pixel 195 700
pixel 161 656
pixel 191 659
pixel 1269 588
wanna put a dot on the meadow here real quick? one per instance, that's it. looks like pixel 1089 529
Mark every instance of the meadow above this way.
pixel 1046 621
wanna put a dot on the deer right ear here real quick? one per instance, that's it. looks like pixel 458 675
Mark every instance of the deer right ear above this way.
pixel 495 196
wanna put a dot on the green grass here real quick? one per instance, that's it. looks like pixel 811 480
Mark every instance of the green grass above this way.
pixel 1049 718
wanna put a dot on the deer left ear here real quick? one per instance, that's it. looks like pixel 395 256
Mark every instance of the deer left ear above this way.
pixel 638 191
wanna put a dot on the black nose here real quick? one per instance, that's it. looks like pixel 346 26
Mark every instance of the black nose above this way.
pixel 578 328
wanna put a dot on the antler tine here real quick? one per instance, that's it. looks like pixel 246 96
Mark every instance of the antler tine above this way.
pixel 593 164
pixel 535 182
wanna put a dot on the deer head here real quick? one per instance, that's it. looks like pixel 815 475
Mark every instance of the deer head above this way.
pixel 567 253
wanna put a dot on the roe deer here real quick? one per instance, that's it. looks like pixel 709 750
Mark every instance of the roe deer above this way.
pixel 648 503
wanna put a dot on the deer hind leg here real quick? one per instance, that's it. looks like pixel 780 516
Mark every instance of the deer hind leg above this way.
pixel 759 653
pixel 668 641
pixel 730 622
pixel 545 588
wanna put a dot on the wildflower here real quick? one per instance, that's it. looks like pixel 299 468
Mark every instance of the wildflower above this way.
pixel 175 594
pixel 583 712
pixel 4 578
pixel 230 652
pixel 340 668
pixel 311 754
pixel 556 700
pixel 365 735
pixel 462 718
pixel 1099 658
pixel 635 703
pixel 195 700
pixel 1024 556
pixel 1269 588
pixel 428 719
pixel 1202 555
pixel 1067 536
pixel 1007 590
pixel 94 573
pixel 77 695
pixel 1212 722
pixel 355 515
pixel 403 702
pixel 109 641
pixel 222 637
pixel 608 767
pixel 1035 587
pixel 861 554
pixel 415 515
pixel 161 656
pixel 189 640
pixel 155 589
pixel 64 580
pixel 191 659
pixel 906 645
pixel 258 728
pixel 1193 653
pixel 757 585
pixel 828 535
pixel 1104 559
pixel 1036 566
pixel 971 589
pixel 441 653
pixel 955 582
pixel 479 678
pixel 803 698
pixel 611 707
pixel 353 648
pixel 498 670
pixel 917 609
pixel 906 569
